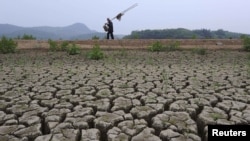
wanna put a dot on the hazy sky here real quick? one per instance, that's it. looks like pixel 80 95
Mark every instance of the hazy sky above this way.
pixel 231 15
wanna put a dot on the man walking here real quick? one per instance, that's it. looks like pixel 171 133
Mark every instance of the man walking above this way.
pixel 110 29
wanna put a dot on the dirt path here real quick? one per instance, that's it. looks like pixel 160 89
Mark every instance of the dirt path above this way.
pixel 227 44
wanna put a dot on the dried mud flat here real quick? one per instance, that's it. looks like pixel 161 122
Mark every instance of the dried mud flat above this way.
pixel 128 96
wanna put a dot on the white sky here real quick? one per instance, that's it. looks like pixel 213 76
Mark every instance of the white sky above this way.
pixel 231 15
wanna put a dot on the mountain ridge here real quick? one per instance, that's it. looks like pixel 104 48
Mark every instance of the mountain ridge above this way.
pixel 79 31
pixel 48 32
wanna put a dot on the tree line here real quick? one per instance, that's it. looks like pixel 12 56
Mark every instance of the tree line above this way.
pixel 181 33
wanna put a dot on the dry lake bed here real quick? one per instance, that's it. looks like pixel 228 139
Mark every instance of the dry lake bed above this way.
pixel 130 95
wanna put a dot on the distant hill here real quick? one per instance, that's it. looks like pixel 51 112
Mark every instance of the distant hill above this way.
pixel 182 33
pixel 74 31
pixel 80 31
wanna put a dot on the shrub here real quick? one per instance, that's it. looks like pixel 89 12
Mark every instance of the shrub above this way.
pixel 200 51
pixel 74 49
pixel 53 46
pixel 95 53
pixel 64 46
pixel 7 45
pixel 246 43
pixel 156 47
pixel 173 46
pixel 95 38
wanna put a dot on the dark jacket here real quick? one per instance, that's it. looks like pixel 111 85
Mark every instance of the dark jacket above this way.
pixel 110 25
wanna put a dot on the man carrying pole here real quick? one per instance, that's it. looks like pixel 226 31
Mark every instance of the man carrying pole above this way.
pixel 108 27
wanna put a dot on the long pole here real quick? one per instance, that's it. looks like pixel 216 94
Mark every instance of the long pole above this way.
pixel 131 7
pixel 123 12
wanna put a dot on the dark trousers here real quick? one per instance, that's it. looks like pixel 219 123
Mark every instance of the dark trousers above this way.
pixel 111 34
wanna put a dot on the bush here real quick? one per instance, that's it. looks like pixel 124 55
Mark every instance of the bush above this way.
pixel 95 38
pixel 156 47
pixel 64 46
pixel 53 46
pixel 246 43
pixel 95 53
pixel 173 46
pixel 7 45
pixel 200 51
pixel 73 50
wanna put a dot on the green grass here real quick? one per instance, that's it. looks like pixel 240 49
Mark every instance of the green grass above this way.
pixel 216 116
pixel 95 53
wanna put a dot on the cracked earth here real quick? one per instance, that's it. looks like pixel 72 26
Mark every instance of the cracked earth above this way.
pixel 128 96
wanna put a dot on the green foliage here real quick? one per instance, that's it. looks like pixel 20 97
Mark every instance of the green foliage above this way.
pixel 173 46
pixel 135 36
pixel 95 38
pixel 27 37
pixel 64 46
pixel 243 36
pixel 7 45
pixel 200 51
pixel 246 43
pixel 181 33
pixel 53 46
pixel 74 49
pixel 95 53
pixel 156 47
pixel 194 36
